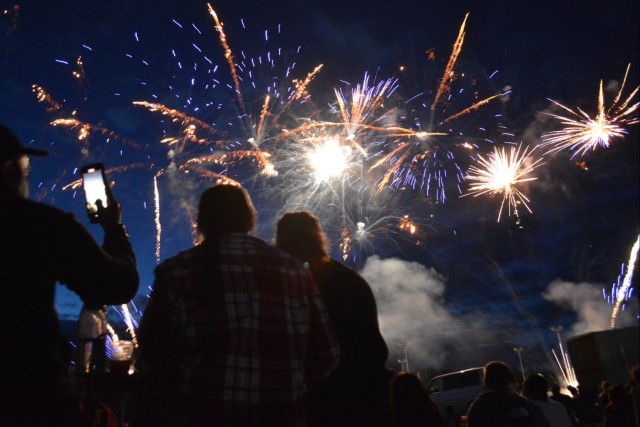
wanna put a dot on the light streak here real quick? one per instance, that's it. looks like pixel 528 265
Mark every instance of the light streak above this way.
pixel 43 96
pixel 228 54
pixel 156 198
pixel 622 293
pixel 564 363
pixel 128 319
pixel 583 133
pixel 500 173
pixel 449 73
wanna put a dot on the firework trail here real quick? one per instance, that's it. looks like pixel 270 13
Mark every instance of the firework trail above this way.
pixel 268 120
pixel 80 76
pixel 623 293
pixel 13 15
pixel 156 198
pixel 500 173
pixel 449 73
pixel 43 96
pixel 228 54
pixel 84 129
pixel 177 116
pixel 583 133
pixel 423 157
pixel 77 183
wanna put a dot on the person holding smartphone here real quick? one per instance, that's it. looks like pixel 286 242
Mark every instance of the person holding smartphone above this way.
pixel 40 246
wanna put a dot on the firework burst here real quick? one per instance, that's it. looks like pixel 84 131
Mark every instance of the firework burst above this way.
pixel 500 173
pixel 423 156
pixel 583 133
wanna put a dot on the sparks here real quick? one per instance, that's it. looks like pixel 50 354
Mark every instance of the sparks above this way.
pixel 582 133
pixel 499 174
pixel 622 293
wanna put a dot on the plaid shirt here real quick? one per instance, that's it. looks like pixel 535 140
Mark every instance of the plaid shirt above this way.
pixel 233 335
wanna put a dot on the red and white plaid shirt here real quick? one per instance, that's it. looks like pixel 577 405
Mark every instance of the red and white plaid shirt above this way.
pixel 233 335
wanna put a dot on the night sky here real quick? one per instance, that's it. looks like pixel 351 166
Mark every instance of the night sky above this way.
pixel 461 291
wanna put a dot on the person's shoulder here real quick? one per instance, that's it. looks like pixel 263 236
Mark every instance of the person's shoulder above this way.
pixel 347 273
pixel 35 208
pixel 178 259
pixel 42 216
pixel 266 248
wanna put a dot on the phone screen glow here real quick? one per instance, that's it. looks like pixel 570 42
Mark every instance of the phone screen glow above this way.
pixel 94 189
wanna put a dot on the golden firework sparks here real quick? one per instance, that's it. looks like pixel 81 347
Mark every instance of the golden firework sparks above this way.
pixel 584 133
pixel 500 173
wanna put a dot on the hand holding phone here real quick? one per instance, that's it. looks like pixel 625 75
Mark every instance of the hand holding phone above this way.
pixel 94 183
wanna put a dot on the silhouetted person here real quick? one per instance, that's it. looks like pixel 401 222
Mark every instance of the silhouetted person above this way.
pixel 500 405
pixel 635 391
pixel 235 330
pixel 585 404
pixel 535 388
pixel 411 405
pixel 619 410
pixel 603 394
pixel 39 246
pixel 566 401
pixel 357 392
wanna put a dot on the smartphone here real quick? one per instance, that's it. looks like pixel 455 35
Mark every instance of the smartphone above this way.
pixel 94 183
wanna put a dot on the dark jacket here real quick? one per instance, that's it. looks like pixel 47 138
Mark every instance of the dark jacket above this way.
pixel 39 246
pixel 359 387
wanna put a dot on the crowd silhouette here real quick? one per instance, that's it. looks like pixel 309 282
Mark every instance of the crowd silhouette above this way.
pixel 237 332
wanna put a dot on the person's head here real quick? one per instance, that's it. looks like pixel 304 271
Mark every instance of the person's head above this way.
pixel 225 208
pixel 555 389
pixel 300 235
pixel 407 387
pixel 496 375
pixel 14 163
pixel 535 387
pixel 618 395
pixel 604 386
pixel 572 390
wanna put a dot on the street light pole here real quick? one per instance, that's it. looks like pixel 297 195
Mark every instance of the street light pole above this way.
pixel 520 350
pixel 404 363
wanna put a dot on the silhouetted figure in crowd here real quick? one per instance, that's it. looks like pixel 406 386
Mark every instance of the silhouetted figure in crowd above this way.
pixel 500 405
pixel 566 401
pixel 357 392
pixel 235 331
pixel 411 405
pixel 39 246
pixel 635 392
pixel 586 404
pixel 535 387
pixel 603 394
pixel 619 410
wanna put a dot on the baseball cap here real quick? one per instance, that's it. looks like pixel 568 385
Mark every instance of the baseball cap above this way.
pixel 10 146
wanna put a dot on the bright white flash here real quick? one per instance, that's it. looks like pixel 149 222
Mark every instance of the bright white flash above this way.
pixel 329 160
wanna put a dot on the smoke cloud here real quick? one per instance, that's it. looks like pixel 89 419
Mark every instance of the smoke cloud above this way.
pixel 586 299
pixel 412 310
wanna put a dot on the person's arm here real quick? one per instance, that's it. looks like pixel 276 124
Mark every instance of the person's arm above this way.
pixel 100 276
